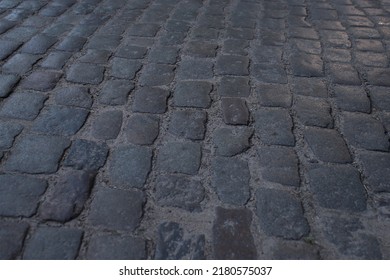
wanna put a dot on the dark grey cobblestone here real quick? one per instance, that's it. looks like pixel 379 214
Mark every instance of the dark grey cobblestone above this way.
pixel 191 68
pixel 188 124
pixel 192 94
pixel 232 65
pixel 290 250
pixel 7 47
pixel 353 99
pixel 234 87
pixel 235 111
pixel 41 80
pixel 107 125
pixel 7 82
pixel 95 56
pixel 376 167
pixel 380 98
pixel 22 105
pixel 8 132
pixel 12 235
pixel 73 96
pixel 20 63
pixel 38 44
pixel 115 92
pixel 56 60
pixel 157 75
pixel 274 95
pixel 231 141
pixel 150 100
pixel 85 73
pixel 142 129
pixel 309 87
pixel 313 112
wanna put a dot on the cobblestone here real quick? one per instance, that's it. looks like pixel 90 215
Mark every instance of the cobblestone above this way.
pixel 107 125
pixel 12 235
pixel 188 124
pixel 352 99
pixel 73 96
pixel 313 112
pixel 150 100
pixel 230 142
pixel 22 105
pixel 85 73
pixel 8 132
pixel 142 129
pixel 192 94
pixel 235 111
pixel 20 63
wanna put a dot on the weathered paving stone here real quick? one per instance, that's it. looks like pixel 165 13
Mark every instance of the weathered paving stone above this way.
pixel 150 100
pixel 130 51
pixel 279 165
pixel 235 46
pixel 83 31
pixel 235 111
pixel 107 125
pixel 22 105
pixel 313 112
pixel 180 157
pixel 309 87
pixel 178 191
pixel 306 65
pixel 344 74
pixel 376 169
pixel 56 60
pixel 142 129
pixel 66 199
pixel 337 39
pixel 116 247
pixel 201 49
pixel 369 45
pixel 95 56
pixel 380 97
pixel 104 42
pixel 274 95
pixel 338 187
pixel 163 54
pixel 7 83
pixel 143 29
pixel 157 75
pixel 38 44
pixel 231 141
pixel 346 235
pixel 234 87
pixel 22 33
pixel 352 99
pixel 117 209
pixel 188 124
pixel 174 243
pixel 191 68
pixel 280 214
pixel 12 235
pixel 267 55
pixel 20 195
pixel 41 80
pixel 20 63
pixel 192 94
pixel 8 47
pixel 232 237
pixel 274 126
pixel 289 250
pixel 37 154
pixel 363 131
pixel 60 120
pixel 172 38
pixel 86 155
pixel 304 33
pixel 124 68
pixel 240 33
pixel 337 55
pixel 378 76
pixel 53 243
pixel 57 29
pixel 85 73
pixel 372 59
pixel 306 46
pixel 115 92
pixel 327 145
pixel 73 96
pixel 231 180
pixel 8 132
pixel 130 166
pixel 71 44
pixel 232 65
pixel 269 73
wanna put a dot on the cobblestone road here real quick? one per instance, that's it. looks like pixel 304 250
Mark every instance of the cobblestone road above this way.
pixel 190 129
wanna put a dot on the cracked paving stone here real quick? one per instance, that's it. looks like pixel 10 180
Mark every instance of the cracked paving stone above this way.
pixel 86 155
pixel 178 191
pixel 235 111
pixel 179 157
pixel 56 60
pixel 59 120
pixel 279 165
pixel 85 73
pixel 231 180
pixel 313 112
pixel 130 166
pixel 309 87
pixel 188 124
pixel 274 126
pixel 231 141
pixel 66 199
pixel 106 125
pixel 234 87
pixel 73 96
pixel 190 68
pixel 380 98
pixel 53 243
pixel 38 44
pixel 344 74
pixel 41 80
pixel 115 92
pixel 20 63
pixel 150 100
pixel 116 247
pixel 125 68
pixel 22 105
pixel 12 235
pixel 192 94
pixel 174 243
pixel 352 99
pixel 130 51
pixel 7 83
pixel 280 214
pixel 232 65
pixel 20 195
pixel 95 56
pixel 327 145
pixel 338 187
pixel 376 169
pixel 306 65
pixel 274 95
pixel 157 75
pixel 36 154
pixel 117 209
pixel 232 237
pixel 378 76
pixel 8 132
pixel 142 129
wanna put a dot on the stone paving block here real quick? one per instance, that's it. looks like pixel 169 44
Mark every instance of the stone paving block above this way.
pixel 21 33
pixel 66 199
pixel 380 98
pixel 177 26
pixel 130 51
pixel 139 41
pixel 231 180
pixel 7 83
pixel 200 49
pixel 60 120
pixel 85 73
pixel 71 44
pixel 7 47
pixel 344 74
pixel 157 75
pixel 369 45
pixel 116 247
pixel 313 112
pixel 306 65
pixel 192 94
pixel 378 76
pixel 53 10
pixel 280 214
pixel 274 126
pixel 188 124
pixel 334 38
pixel 179 191
pixel 56 60
pixel 364 32
pixel 235 111
pixel 274 95
pixel 309 87
pixel 84 31
pixel 232 237
pixel 20 195
pixel 359 21
pixel 20 63
pixel 204 33
pixel 74 96
pixel 143 29
pixel 115 92
pixel 36 154
pixel 8 132
pixel 234 87
pixel 150 100
pixel 142 129
pixel 235 46
pixel 163 54
pixel 107 125
pixel 376 170
pixel 240 33
pixel 174 243
pixel 12 235
pixel 269 73
pixel 304 33
pixel 53 243
pixel 306 46
pixel 231 141
pixel 172 39
pixel 279 165
pixel 363 131
pixel 117 209
pixel 5 25
pixel 179 157
pixel 125 68
pixel 41 80
pixel 57 29
pixel 39 44
pixel 337 55
pixel 289 250
pixel 353 99
pixel 338 187
pixel 22 105
pixel 191 68
pixel 103 42
pixel 232 65
pixel 95 56
pixel 372 59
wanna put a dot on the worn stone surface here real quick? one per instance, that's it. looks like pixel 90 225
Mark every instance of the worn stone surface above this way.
pixel 84 73
pixel 73 96
pixel 8 132
pixel 150 100
pixel 235 111
pixel 115 92
pixel 188 124
pixel 352 99
pixel 12 235
pixel 142 129
pixel 230 142
pixel 376 167
pixel 41 80
pixel 274 95
pixel 192 94
pixel 313 112
pixel 107 125
pixel 234 87
pixel 7 82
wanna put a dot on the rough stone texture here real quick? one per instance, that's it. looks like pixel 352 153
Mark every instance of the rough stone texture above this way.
pixel 150 100
pixel 7 82
pixel 188 124
pixel 56 60
pixel 85 73
pixel 380 97
pixel 306 65
pixel 376 169
pixel 195 69
pixel 142 129
pixel 234 87
pixel 378 76
pixel 231 141
pixel 344 74
pixel 107 125
pixel 232 65
pixel 289 250
pixel 352 99
pixel 12 235
pixel 38 44
pixel 115 92
pixel 8 132
pixel 274 95
pixel 124 68
pixel 235 111
pixel 73 96
pixel 309 87
pixel 41 80
pixel 20 63
pixel 157 75
pixel 313 112
pixel 192 94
